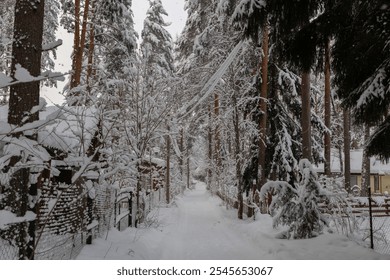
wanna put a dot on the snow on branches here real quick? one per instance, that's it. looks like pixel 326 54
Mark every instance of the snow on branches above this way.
pixel 296 206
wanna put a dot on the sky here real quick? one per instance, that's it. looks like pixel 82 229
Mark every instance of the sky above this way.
pixel 176 16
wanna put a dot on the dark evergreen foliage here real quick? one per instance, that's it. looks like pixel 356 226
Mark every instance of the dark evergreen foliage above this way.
pixel 296 205
pixel 362 65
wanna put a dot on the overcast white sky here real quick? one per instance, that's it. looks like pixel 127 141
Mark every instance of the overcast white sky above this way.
pixel 176 16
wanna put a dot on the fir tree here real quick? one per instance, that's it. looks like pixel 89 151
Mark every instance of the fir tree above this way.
pixel 296 206
pixel 156 46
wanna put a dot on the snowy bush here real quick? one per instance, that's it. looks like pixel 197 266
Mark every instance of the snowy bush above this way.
pixel 297 207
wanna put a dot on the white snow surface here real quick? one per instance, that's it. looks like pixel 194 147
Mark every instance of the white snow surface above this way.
pixel 199 227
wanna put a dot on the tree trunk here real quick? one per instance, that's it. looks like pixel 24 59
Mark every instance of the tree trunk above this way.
pixel 217 138
pixel 91 48
pixel 188 164
pixel 26 53
pixel 181 157
pixel 168 163
pixel 365 164
pixel 327 140
pixel 306 116
pixel 76 43
pixel 210 152
pixel 237 157
pixel 79 45
pixel 347 150
pixel 263 108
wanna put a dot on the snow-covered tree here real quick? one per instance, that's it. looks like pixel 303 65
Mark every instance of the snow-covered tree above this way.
pixel 51 23
pixel 296 206
pixel 156 46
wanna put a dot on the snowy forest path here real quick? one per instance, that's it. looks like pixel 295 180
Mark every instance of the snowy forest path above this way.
pixel 198 226
pixel 203 231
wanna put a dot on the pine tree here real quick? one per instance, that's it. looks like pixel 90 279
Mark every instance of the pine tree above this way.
pixel 52 10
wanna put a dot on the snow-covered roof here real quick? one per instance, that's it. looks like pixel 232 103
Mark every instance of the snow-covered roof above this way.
pixel 156 161
pixel 63 128
pixel 376 165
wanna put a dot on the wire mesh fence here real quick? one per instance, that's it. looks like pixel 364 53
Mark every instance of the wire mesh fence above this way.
pixel 381 235
pixel 379 223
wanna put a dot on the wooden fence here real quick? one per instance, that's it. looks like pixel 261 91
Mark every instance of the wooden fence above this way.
pixel 379 209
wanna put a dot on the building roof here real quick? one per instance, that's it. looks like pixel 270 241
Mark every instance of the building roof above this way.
pixel 376 165
pixel 63 128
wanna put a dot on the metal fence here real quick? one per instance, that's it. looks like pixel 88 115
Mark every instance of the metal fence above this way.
pixel 67 220
pixel 379 224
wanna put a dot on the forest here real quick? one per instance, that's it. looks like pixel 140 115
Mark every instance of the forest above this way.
pixel 279 107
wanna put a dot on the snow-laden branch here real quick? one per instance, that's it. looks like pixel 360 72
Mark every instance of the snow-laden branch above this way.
pixel 210 85
pixel 51 45
pixel 8 218
pixel 22 75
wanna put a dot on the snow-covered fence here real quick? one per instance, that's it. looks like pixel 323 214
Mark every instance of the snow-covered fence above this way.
pixel 69 217
pixel 123 209
pixel 126 211
pixel 248 207
pixel 360 206
pixel 372 227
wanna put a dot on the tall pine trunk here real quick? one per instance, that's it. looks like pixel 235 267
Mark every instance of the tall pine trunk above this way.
pixel 347 149
pixel 217 136
pixel 306 116
pixel 210 150
pixel 168 166
pixel 26 53
pixel 76 43
pixel 263 108
pixel 327 136
pixel 91 48
pixel 365 164
pixel 79 45
pixel 236 123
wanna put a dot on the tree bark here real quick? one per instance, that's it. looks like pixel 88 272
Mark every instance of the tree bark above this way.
pixel 366 172
pixel 327 136
pixel 238 158
pixel 217 138
pixel 263 108
pixel 209 152
pixel 91 48
pixel 79 45
pixel 347 149
pixel 306 116
pixel 168 163
pixel 26 53
pixel 181 157
pixel 76 43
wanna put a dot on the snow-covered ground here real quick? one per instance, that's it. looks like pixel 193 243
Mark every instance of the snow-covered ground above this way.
pixel 199 226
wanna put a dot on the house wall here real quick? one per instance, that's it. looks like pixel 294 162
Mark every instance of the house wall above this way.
pixel 383 183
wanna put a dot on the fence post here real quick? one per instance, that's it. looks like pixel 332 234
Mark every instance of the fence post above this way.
pixel 115 204
pixel 370 211
pixel 130 221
